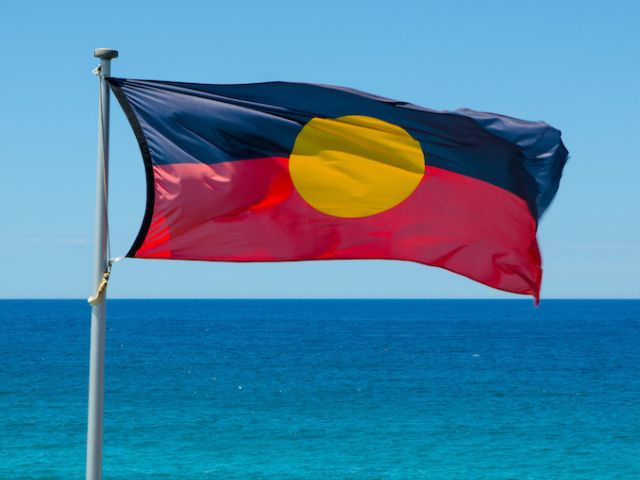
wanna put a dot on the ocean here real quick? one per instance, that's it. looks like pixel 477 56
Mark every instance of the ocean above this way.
pixel 326 389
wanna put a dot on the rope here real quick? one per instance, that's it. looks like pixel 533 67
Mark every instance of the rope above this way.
pixel 97 297
pixel 102 287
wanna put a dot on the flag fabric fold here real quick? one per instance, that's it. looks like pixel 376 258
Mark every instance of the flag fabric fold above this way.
pixel 288 171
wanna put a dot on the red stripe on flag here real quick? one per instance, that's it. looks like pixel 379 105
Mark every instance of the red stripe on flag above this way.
pixel 250 211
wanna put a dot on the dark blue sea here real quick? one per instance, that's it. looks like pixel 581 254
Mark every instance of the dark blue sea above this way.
pixel 324 389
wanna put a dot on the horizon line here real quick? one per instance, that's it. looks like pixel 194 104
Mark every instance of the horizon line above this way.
pixel 525 299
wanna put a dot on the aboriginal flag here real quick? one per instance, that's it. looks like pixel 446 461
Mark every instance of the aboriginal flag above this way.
pixel 289 171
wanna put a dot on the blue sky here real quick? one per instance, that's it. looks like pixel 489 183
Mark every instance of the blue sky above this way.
pixel 572 64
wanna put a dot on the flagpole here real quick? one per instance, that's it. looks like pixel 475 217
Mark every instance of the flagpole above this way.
pixel 100 260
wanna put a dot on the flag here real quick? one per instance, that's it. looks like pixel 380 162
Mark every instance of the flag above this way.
pixel 289 171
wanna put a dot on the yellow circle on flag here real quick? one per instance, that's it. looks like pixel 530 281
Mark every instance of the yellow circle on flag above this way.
pixel 355 166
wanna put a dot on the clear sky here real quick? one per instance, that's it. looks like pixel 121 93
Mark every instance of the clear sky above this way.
pixel 573 64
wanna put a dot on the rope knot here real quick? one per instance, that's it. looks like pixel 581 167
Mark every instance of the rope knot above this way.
pixel 102 286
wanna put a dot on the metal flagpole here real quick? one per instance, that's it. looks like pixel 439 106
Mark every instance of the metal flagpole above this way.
pixel 100 262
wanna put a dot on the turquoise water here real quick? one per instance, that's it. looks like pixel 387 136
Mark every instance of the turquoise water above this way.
pixel 327 389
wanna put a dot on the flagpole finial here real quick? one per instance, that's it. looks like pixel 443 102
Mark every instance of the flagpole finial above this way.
pixel 105 53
